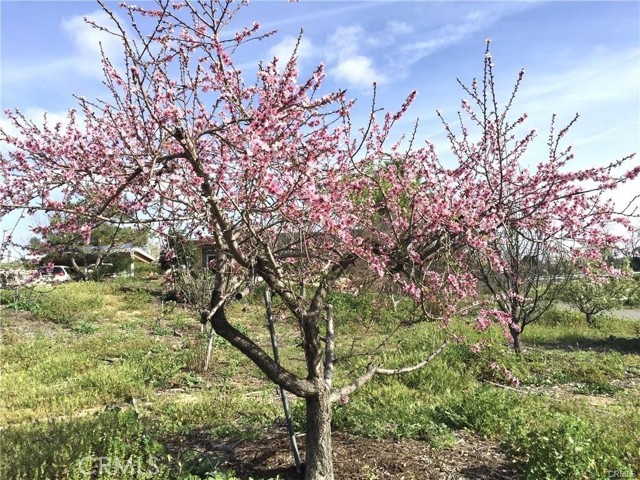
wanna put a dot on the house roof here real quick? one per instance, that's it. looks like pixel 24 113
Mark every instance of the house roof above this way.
pixel 143 255
pixel 136 252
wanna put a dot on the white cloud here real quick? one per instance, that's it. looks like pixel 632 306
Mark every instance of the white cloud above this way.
pixel 83 60
pixel 285 47
pixel 388 37
pixel 350 65
pixel 448 35
pixel 602 88
pixel 89 41
pixel 344 42
pixel 396 27
pixel 358 56
pixel 357 70
pixel 451 33
pixel 9 129
pixel 603 77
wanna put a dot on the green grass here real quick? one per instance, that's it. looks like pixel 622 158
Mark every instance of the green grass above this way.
pixel 72 369
pixel 62 304
pixel 80 372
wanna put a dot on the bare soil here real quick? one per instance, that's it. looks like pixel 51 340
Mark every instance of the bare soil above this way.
pixel 358 458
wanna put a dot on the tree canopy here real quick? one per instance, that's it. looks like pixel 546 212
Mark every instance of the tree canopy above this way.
pixel 272 170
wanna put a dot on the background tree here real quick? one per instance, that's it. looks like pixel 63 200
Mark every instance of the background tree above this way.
pixel 536 268
pixel 631 249
pixel 274 174
pixel 187 280
pixel 179 250
pixel 593 295
pixel 81 250
pixel 545 221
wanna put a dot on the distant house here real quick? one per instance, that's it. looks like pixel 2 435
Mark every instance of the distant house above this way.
pixel 135 253
pixel 286 243
pixel 119 258
pixel 207 252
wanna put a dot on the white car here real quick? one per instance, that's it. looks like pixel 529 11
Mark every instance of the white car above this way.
pixel 59 273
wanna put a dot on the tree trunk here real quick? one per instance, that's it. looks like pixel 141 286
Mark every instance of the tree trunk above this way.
pixel 517 343
pixel 589 318
pixel 319 462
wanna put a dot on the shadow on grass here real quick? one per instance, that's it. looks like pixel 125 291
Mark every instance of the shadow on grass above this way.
pixel 572 343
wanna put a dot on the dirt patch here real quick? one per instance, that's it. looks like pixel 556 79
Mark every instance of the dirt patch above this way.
pixel 358 458
pixel 17 326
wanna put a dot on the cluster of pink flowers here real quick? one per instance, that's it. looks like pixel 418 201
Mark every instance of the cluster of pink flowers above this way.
pixel 273 170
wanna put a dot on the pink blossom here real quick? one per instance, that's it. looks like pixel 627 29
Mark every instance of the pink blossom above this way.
pixel 85 230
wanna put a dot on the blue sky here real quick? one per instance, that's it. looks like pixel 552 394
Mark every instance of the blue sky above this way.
pixel 579 57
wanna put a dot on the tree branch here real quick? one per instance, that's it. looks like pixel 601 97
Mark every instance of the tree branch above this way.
pixel 417 366
pixel 355 385
pixel 372 371
pixel 276 373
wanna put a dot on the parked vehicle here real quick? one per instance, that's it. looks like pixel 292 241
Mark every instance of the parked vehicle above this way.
pixel 59 273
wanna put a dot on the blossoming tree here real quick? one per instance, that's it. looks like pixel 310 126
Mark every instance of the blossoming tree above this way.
pixel 551 222
pixel 275 175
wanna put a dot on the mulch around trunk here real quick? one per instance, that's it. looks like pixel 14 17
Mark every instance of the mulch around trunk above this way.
pixel 357 458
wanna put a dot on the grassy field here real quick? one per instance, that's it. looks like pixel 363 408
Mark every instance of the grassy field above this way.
pixel 95 371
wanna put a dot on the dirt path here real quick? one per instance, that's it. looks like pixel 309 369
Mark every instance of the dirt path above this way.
pixel 629 314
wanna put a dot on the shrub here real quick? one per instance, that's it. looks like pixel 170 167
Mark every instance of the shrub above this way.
pixel 549 444
pixel 64 304
pixel 26 299
pixel 145 270
pixel 59 306
pixel 593 296
pixel 191 287
pixel 368 307
pixel 391 410
pixel 561 317
pixel 489 412
pixel 568 448
pixel 633 300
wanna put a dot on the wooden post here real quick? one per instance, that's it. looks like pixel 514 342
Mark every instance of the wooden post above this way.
pixel 329 348
pixel 283 396
pixel 210 339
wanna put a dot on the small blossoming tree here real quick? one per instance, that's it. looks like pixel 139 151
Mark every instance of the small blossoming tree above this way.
pixel 546 221
pixel 275 176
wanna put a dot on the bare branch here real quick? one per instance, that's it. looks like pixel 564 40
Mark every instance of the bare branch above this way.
pixel 417 366
pixel 355 385
pixel 276 373
pixel 372 371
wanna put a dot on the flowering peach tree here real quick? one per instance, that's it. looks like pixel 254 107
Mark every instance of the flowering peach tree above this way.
pixel 550 221
pixel 272 172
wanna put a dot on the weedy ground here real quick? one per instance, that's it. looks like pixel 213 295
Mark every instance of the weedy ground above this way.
pixel 106 380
